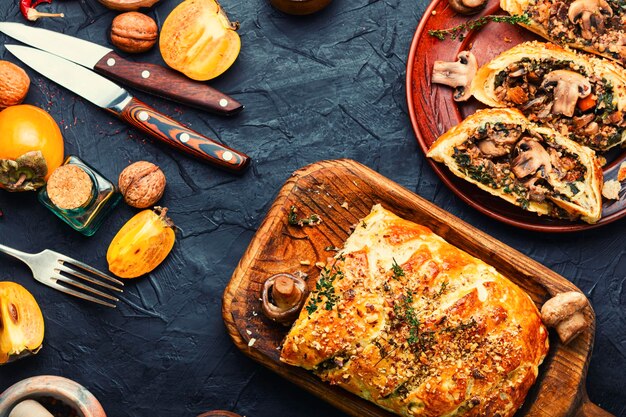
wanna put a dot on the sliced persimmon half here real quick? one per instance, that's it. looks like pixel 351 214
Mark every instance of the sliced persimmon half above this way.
pixel 21 322
pixel 198 40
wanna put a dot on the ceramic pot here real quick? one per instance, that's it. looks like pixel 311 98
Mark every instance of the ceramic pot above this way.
pixel 59 388
pixel 300 7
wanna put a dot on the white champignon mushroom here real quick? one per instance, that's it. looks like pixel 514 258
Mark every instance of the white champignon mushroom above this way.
pixel 282 297
pixel 467 7
pixel 531 157
pixel 457 74
pixel 564 312
pixel 589 14
pixel 568 86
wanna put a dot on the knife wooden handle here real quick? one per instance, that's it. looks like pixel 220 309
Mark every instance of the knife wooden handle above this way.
pixel 166 83
pixel 169 131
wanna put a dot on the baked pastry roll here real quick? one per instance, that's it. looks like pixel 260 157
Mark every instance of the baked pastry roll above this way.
pixel 596 26
pixel 582 96
pixel 417 326
pixel 533 167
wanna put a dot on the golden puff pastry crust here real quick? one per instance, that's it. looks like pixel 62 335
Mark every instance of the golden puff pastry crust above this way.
pixel 582 96
pixel 531 166
pixel 601 30
pixel 417 326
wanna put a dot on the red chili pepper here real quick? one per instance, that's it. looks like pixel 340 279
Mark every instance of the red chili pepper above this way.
pixel 27 7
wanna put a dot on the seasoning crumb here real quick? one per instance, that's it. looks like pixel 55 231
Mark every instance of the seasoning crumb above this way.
pixel 306 262
pixel 611 190
pixel 320 265
pixel 69 187
pixel 345 205
pixel 248 331
pixel 621 172
pixel 434 12
pixel 601 160
pixel 251 342
pixel 507 39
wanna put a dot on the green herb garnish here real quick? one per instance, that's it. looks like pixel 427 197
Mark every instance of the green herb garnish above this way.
pixel 324 290
pixel 461 326
pixel 461 30
pixel 397 269
pixel 406 313
pixel 444 285
pixel 312 220
pixel 523 202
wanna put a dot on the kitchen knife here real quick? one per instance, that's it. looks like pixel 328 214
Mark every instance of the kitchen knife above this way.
pixel 110 96
pixel 153 79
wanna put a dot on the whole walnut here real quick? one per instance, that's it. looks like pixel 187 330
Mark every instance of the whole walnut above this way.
pixel 142 184
pixel 134 32
pixel 14 84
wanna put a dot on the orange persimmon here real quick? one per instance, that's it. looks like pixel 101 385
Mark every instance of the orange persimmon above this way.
pixel 21 323
pixel 31 147
pixel 141 244
pixel 198 40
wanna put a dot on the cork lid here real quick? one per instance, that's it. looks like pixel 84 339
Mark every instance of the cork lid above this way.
pixel 69 187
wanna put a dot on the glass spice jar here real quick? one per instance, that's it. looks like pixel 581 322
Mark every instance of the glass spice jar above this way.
pixel 79 195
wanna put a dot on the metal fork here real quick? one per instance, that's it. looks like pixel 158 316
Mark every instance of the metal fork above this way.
pixel 48 265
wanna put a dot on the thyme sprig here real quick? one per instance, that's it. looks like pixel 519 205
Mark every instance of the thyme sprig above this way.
pixel 325 290
pixel 312 220
pixel 398 272
pixel 406 313
pixel 461 30
pixel 444 285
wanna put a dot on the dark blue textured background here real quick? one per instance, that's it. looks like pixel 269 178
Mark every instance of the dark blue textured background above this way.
pixel 320 87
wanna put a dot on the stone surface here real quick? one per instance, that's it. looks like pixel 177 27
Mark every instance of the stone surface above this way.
pixel 320 87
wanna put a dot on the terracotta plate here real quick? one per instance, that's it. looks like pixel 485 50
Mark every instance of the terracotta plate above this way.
pixel 433 111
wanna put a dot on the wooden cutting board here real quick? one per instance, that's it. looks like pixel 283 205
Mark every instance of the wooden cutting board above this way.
pixel 323 188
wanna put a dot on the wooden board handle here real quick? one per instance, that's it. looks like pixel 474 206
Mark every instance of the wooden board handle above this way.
pixel 589 409
pixel 174 134
pixel 166 83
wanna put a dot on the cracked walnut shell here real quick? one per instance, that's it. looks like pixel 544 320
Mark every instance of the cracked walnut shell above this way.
pixel 134 32
pixel 14 84
pixel 142 184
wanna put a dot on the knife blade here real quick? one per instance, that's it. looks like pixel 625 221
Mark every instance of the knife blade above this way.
pixel 109 96
pixel 153 79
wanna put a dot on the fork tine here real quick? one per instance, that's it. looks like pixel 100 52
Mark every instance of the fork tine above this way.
pixel 82 286
pixel 79 294
pixel 78 274
pixel 65 259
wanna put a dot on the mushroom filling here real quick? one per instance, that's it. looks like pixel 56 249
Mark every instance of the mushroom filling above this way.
pixel 562 95
pixel 529 166
pixel 600 24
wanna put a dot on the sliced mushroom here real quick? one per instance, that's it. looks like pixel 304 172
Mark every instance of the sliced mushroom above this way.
pixel 490 148
pixel 282 297
pixel 584 120
pixel 518 72
pixel 533 102
pixel 536 192
pixel 457 74
pixel 559 166
pixel 531 157
pixel 589 14
pixel 569 86
pixel 467 7
pixel 499 143
pixel 591 129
